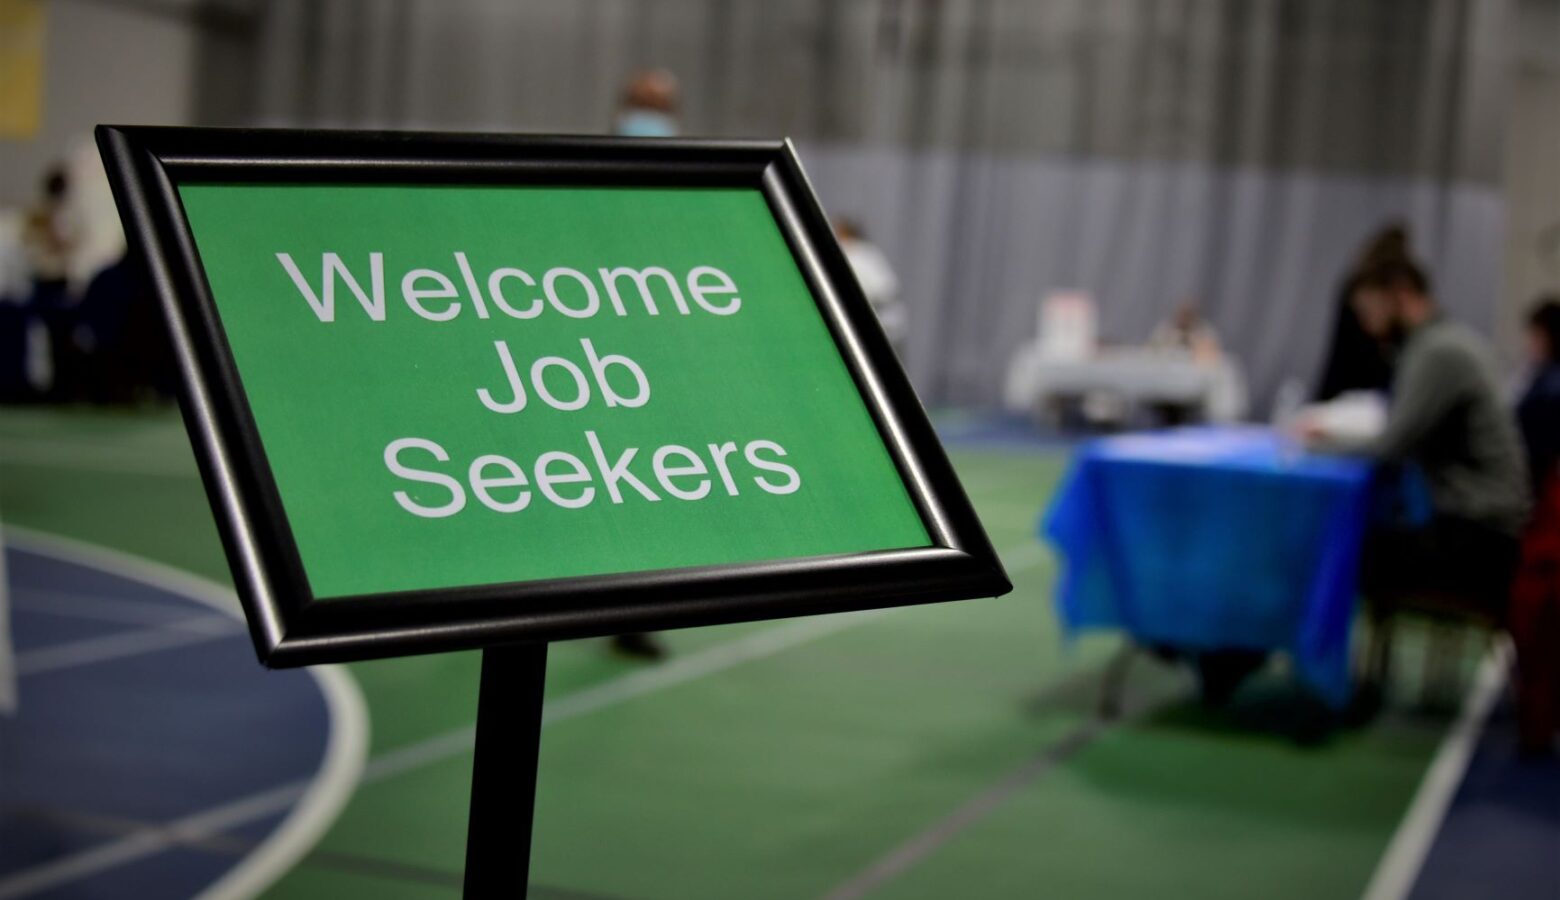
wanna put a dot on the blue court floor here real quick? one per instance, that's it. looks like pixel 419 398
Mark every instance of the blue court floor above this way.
pixel 142 719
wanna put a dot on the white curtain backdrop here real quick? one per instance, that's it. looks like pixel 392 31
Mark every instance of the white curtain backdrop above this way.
pixel 1147 151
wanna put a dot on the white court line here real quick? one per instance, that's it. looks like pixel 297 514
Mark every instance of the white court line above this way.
pixel 211 822
pixel 96 607
pixel 321 802
pixel 900 859
pixel 148 842
pixel 136 568
pixel 422 753
pixel 122 645
pixel 1399 867
pixel 644 681
pixel 681 670
pixel 77 457
pixel 314 803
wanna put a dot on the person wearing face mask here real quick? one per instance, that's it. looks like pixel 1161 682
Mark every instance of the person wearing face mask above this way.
pixel 649 106
pixel 648 110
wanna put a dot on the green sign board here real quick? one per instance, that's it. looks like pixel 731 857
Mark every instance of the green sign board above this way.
pixel 456 391
pixel 486 384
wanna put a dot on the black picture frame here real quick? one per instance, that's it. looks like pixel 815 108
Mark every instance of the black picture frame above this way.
pixel 290 627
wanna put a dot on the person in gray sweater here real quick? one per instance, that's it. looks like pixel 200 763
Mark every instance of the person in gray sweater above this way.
pixel 1447 417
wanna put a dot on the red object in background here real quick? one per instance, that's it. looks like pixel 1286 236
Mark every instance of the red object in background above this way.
pixel 1534 621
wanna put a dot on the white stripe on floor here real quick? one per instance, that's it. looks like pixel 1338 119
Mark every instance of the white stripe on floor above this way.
pixel 1399 866
pixel 209 823
pixel 123 644
pixel 96 607
pixel 86 458
pixel 311 805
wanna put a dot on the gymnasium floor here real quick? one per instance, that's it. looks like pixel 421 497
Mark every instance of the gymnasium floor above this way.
pixel 928 752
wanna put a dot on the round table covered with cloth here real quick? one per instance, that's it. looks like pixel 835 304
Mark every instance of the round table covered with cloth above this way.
pixel 1215 539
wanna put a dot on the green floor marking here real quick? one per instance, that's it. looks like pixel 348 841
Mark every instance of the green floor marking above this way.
pixel 783 777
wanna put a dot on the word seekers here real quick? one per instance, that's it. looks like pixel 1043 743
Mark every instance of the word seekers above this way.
pixel 563 479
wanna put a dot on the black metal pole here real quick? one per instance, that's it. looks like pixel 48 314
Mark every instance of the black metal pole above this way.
pixel 503 775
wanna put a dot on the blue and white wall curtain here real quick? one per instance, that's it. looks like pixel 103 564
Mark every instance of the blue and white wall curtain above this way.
pixel 1147 151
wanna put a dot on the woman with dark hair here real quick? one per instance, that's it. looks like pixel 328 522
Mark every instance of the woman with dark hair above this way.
pixel 1356 360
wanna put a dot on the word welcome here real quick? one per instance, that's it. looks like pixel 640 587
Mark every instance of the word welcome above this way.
pixel 433 295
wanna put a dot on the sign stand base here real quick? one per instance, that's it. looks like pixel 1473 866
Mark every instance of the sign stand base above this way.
pixel 503 775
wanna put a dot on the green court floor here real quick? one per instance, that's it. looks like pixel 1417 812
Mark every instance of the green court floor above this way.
pixel 944 751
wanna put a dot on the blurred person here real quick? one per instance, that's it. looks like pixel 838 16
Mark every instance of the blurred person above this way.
pixel 649 105
pixel 103 341
pixel 46 234
pixel 1538 412
pixel 648 109
pixel 876 277
pixel 1534 617
pixel 1188 332
pixel 1358 359
pixel 1447 417
pixel 7 650
pixel 47 240
pixel 119 334
pixel 97 237
pixel 24 339
pixel 113 344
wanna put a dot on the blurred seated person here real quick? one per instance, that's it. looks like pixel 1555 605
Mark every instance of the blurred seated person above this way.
pixel 1446 416
pixel 1358 358
pixel 1188 332
pixel 1538 413
pixel 876 277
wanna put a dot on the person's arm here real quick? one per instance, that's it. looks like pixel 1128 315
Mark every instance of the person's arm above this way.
pixel 1429 387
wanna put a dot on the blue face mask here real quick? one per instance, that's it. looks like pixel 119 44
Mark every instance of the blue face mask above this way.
pixel 645 123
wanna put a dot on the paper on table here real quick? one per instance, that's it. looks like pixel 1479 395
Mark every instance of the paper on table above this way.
pixel 1355 417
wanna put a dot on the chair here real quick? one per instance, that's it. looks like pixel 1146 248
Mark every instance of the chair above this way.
pixel 1449 614
pixel 1530 600
pixel 1398 584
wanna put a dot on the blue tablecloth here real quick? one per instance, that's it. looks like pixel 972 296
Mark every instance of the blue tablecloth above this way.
pixel 1215 538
